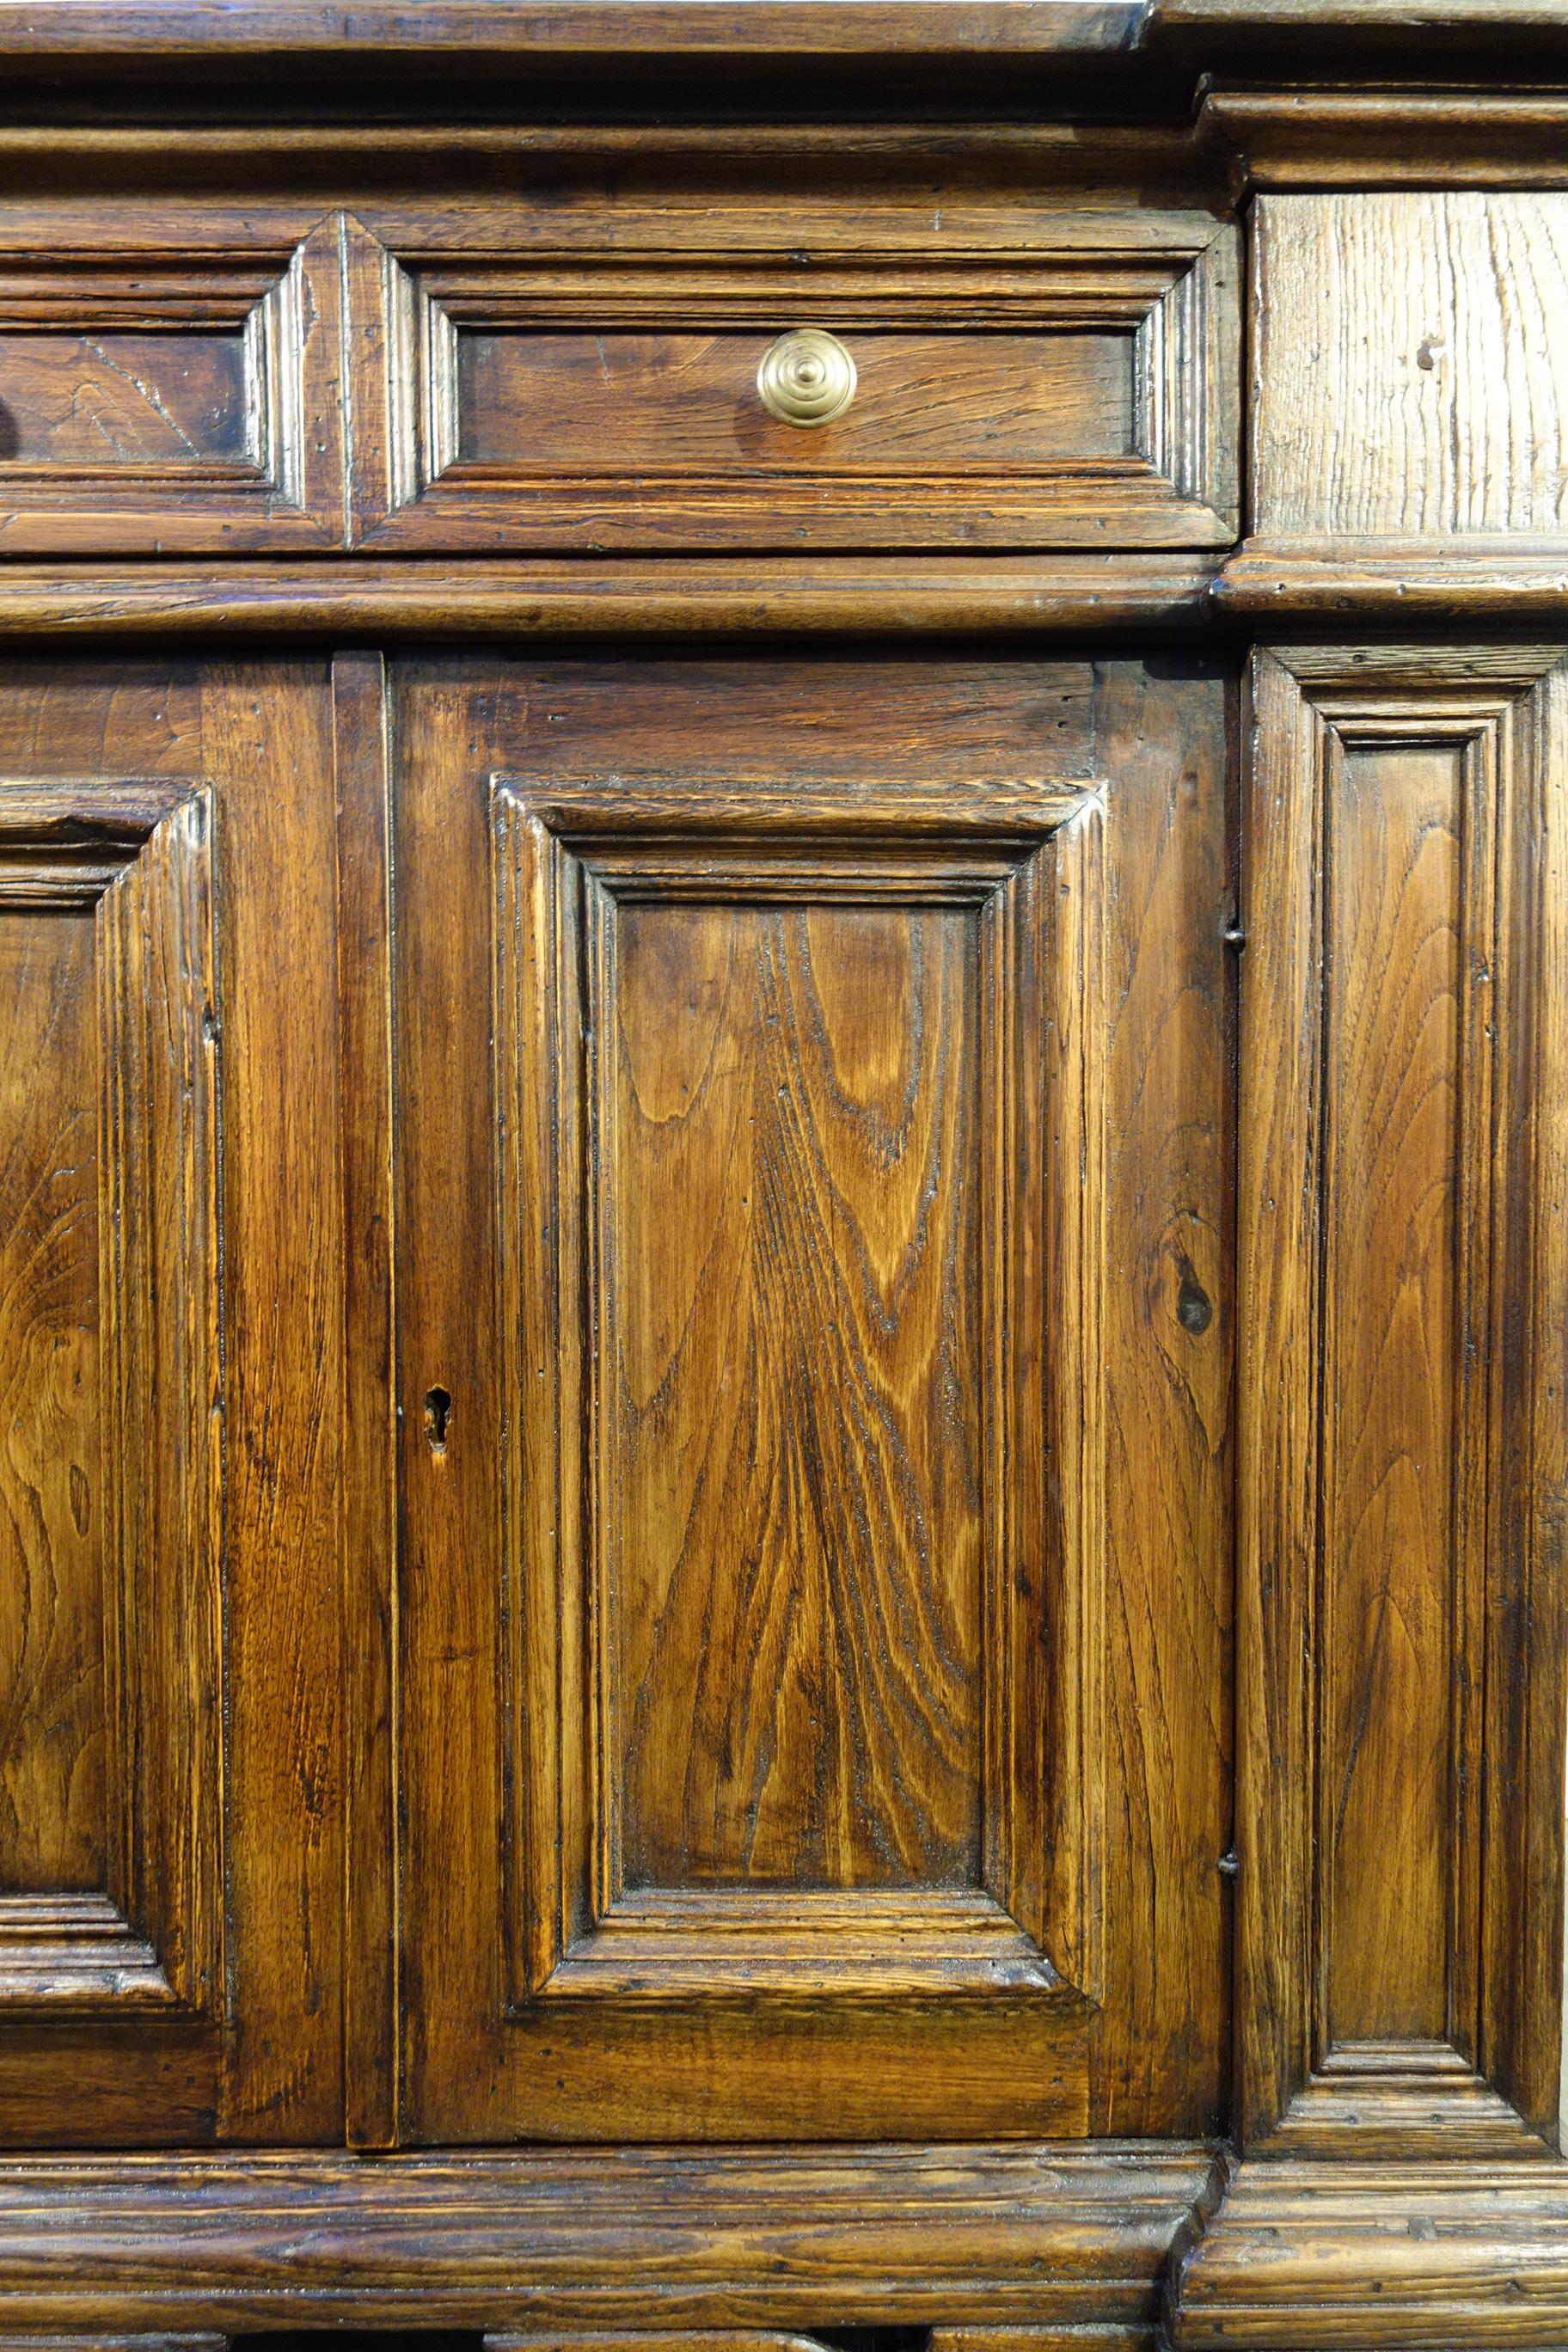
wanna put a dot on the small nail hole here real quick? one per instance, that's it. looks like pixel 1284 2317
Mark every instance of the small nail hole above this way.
pixel 437 1412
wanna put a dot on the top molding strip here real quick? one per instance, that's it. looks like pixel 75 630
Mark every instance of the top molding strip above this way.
pixel 166 30
pixel 51 44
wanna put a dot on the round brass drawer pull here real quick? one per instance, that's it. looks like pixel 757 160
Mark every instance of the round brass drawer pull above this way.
pixel 807 377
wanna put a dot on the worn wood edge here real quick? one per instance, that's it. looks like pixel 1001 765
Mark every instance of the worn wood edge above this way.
pixel 475 29
pixel 1381 20
pixel 1491 581
pixel 871 597
pixel 344 158
pixel 1421 2256
pixel 1298 136
pixel 1032 2234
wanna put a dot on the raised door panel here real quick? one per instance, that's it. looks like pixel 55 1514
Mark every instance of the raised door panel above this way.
pixel 168 1916
pixel 1401 1470
pixel 802 1702
pixel 811 1200
pixel 113 1594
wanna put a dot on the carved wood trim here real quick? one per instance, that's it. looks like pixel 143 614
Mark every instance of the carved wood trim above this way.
pixel 288 487
pixel 667 597
pixel 1027 858
pixel 1064 2234
pixel 1171 288
pixel 140 855
pixel 1370 2255
pixel 1292 135
pixel 1484 582
pixel 1501 714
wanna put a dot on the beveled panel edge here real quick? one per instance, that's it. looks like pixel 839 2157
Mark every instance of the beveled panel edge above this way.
pixel 139 855
pixel 1028 855
pixel 1299 695
pixel 1168 281
pixel 281 296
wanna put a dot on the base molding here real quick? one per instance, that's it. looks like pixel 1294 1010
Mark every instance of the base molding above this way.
pixel 1433 2256
pixel 558 2245
pixel 1002 2249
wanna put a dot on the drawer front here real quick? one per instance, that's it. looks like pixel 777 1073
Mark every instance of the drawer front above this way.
pixel 1058 381
pixel 168 385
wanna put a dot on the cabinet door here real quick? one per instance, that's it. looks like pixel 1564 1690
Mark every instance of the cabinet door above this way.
pixel 815 1324
pixel 170 1867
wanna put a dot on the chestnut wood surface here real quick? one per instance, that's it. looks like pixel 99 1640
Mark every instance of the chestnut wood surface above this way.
pixel 629 786
pixel 1420 404
pixel 53 1823
pixel 170 1933
pixel 783 1246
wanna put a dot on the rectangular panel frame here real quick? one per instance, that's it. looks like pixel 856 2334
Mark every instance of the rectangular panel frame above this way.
pixel 1028 859
pixel 140 855
pixel 1493 2083
pixel 284 302
pixel 1167 283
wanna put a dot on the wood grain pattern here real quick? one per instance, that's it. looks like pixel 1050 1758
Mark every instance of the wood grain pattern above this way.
pixel 585 376
pixel 1401 1079
pixel 792 1359
pixel 142 1975
pixel 1434 584
pixel 114 1488
pixel 368 1520
pixel 763 1407
pixel 267 730
pixel 1364 138
pixel 1393 1206
pixel 123 400
pixel 153 398
pixel 632 2018
pixel 1381 2255
pixel 676 403
pixel 52 1761
pixel 1416 402
pixel 670 597
pixel 486 28
pixel 580 2240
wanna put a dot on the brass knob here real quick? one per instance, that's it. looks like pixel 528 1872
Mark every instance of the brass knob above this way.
pixel 807 377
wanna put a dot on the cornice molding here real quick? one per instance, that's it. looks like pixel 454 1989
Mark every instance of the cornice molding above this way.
pixel 1303 136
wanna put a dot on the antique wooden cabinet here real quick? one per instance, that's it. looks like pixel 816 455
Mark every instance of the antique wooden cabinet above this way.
pixel 784 1174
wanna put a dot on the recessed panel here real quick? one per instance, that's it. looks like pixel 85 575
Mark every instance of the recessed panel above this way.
pixel 687 404
pixel 1393 1079
pixel 793 1273
pixel 107 400
pixel 52 1757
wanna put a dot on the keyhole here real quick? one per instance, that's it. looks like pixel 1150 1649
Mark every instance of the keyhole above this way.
pixel 437 1412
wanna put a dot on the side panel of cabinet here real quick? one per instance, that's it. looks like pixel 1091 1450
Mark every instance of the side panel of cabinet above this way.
pixel 170 1325
pixel 1401 1492
pixel 812 1084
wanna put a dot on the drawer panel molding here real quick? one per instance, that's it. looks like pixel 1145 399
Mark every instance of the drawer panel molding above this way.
pixel 169 399
pixel 1073 387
